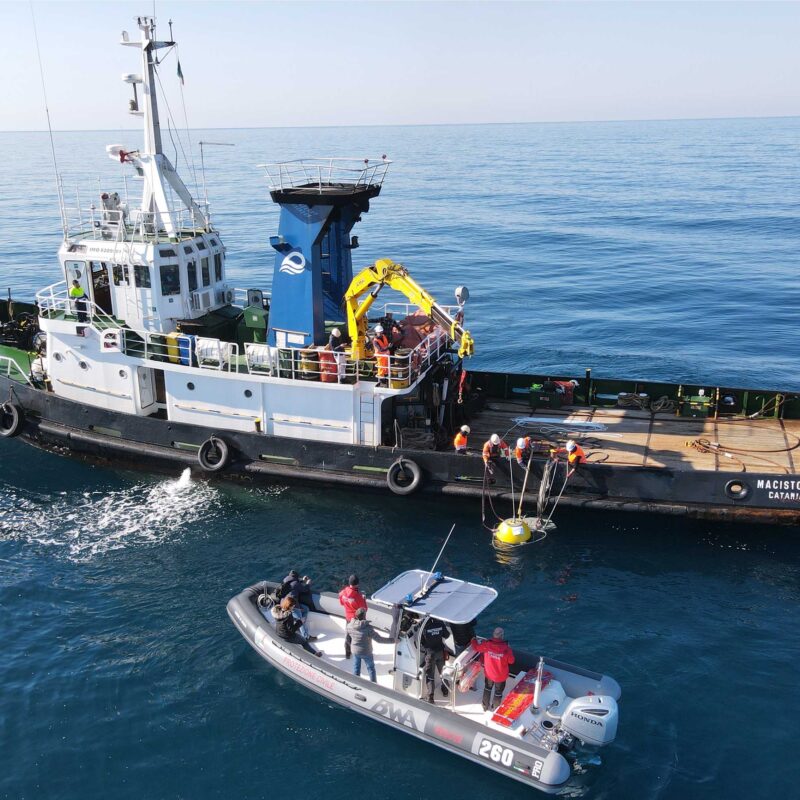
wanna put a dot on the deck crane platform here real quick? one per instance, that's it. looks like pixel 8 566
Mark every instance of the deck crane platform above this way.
pixel 385 272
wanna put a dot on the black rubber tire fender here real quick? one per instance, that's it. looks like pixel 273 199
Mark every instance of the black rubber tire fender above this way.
pixel 206 459
pixel 404 466
pixel 737 489
pixel 11 419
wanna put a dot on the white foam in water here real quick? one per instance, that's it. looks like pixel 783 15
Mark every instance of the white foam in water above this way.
pixel 93 523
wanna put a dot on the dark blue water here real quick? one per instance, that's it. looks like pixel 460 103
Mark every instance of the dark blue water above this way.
pixel 660 250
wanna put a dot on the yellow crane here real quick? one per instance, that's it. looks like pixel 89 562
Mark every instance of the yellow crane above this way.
pixel 385 272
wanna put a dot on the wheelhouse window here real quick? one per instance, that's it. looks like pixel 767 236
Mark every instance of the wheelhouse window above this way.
pixel 191 268
pixel 206 271
pixel 119 275
pixel 217 266
pixel 170 280
pixel 201 245
pixel 141 274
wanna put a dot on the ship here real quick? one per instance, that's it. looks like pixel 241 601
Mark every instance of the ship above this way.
pixel 143 352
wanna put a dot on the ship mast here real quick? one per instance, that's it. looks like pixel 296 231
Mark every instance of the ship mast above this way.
pixel 159 174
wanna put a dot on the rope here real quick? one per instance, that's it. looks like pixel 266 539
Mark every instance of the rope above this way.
pixel 633 400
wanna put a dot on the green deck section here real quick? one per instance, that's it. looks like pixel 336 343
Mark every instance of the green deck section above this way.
pixel 22 358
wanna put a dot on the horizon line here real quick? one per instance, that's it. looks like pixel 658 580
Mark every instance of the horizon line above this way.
pixel 416 124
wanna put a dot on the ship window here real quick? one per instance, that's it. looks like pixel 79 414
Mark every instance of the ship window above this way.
pixel 83 365
pixel 187 250
pixel 206 272
pixel 248 393
pixel 201 245
pixel 141 274
pixel 170 279
pixel 190 386
pixel 120 278
pixel 167 253
pixel 214 242
pixel 191 268
pixel 217 266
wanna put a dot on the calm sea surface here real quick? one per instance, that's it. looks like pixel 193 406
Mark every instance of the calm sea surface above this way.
pixel 662 250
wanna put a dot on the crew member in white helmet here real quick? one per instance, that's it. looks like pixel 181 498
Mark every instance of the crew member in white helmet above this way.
pixel 574 452
pixel 337 345
pixel 460 442
pixel 383 349
pixel 494 449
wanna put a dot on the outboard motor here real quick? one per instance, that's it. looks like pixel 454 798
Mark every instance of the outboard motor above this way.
pixel 592 719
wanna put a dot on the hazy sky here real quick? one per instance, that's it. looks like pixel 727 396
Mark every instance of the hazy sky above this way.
pixel 363 63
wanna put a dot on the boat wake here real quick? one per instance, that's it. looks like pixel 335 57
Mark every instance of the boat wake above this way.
pixel 89 524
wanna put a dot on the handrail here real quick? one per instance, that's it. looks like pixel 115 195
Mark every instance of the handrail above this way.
pixel 9 362
pixel 53 299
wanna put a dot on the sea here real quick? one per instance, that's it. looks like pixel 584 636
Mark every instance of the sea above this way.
pixel 655 250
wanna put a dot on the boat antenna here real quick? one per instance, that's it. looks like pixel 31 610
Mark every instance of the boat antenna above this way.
pixel 432 572
pixel 49 126
pixel 203 165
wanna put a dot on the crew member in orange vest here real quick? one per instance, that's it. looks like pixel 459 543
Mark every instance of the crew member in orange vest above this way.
pixel 575 455
pixel 382 348
pixel 493 450
pixel 460 442
pixel 522 451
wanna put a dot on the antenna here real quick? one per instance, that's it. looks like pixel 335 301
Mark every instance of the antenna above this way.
pixel 49 128
pixel 203 165
pixel 432 573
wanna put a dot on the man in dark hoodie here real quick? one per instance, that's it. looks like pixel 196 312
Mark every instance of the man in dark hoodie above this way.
pixel 361 634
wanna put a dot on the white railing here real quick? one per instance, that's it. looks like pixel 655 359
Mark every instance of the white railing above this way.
pixel 55 299
pixel 326 174
pixel 11 363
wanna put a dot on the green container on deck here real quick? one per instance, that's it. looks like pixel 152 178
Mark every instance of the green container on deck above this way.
pixel 255 320
pixel 542 399
pixel 696 406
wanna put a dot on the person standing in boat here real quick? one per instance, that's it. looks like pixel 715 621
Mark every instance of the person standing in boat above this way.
pixel 497 656
pixel 383 350
pixel 288 626
pixel 78 297
pixel 575 455
pixel 337 345
pixel 460 442
pixel 434 653
pixel 361 633
pixel 352 600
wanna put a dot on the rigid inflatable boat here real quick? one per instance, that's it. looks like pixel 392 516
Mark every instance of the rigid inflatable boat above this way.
pixel 549 709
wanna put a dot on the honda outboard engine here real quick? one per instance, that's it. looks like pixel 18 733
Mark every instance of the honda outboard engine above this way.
pixel 592 719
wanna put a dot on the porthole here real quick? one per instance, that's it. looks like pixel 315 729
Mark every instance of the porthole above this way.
pixel 58 357
pixel 123 374
pixel 190 386
pixel 248 393
pixel 83 365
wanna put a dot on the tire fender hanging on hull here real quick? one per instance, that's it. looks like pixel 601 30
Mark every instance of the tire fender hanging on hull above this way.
pixel 214 454
pixel 11 419
pixel 404 477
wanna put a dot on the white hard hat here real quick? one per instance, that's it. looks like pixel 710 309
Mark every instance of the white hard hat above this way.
pixel 494 439
pixel 465 429
pixel 571 446
pixel 379 328
pixel 336 332
pixel 520 443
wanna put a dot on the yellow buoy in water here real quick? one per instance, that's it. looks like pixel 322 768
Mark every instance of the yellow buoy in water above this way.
pixel 513 531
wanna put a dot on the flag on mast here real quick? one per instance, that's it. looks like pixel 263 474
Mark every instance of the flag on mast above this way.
pixel 180 73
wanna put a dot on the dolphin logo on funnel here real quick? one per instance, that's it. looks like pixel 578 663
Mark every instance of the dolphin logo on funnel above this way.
pixel 294 263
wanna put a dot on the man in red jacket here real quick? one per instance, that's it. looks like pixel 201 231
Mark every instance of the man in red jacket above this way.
pixel 352 599
pixel 497 656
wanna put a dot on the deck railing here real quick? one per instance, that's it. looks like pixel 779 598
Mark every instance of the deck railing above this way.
pixel 326 174
pixel 9 365
pixel 55 299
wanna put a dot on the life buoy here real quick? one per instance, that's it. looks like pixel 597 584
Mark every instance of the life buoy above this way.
pixel 404 476
pixel 737 489
pixel 10 420
pixel 213 454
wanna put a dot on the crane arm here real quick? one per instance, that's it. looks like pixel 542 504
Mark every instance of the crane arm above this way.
pixel 385 272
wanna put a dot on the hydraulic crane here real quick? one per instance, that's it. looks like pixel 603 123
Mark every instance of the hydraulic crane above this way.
pixel 385 272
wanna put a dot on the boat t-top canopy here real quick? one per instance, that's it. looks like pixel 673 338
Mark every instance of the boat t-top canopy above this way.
pixel 436 595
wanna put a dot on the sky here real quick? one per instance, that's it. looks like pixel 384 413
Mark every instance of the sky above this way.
pixel 261 64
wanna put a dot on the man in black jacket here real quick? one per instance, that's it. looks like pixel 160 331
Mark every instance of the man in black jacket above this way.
pixel 434 653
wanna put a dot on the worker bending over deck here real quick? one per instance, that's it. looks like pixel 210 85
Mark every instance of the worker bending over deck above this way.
pixel 383 350
pixel 460 442
pixel 575 455
pixel 523 450
pixel 493 450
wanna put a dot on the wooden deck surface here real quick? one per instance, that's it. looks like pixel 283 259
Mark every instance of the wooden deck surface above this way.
pixel 637 438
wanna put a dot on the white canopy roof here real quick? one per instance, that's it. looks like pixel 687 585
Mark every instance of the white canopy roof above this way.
pixel 449 599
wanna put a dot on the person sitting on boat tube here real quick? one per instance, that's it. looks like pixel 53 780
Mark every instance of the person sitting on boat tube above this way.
pixel 575 455
pixel 497 656
pixel 493 450
pixel 351 598
pixel 361 634
pixel 383 350
pixel 434 654
pixel 288 626
pixel 460 442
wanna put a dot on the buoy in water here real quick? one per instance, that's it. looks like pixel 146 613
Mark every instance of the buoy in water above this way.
pixel 513 531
